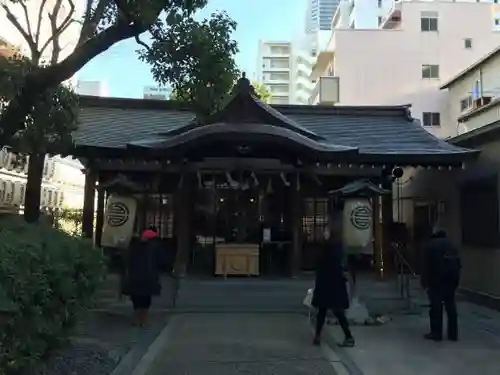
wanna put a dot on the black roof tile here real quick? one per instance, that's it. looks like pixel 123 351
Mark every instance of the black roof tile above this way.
pixel 387 130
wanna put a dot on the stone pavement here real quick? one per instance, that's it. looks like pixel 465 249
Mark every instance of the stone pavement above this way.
pixel 239 343
pixel 398 347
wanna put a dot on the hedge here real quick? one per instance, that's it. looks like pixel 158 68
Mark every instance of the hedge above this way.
pixel 47 278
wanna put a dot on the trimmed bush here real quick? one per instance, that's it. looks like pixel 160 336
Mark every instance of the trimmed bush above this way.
pixel 47 278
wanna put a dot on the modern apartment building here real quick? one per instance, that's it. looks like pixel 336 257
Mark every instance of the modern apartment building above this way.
pixel 370 14
pixel 474 95
pixel 63 181
pixel 319 14
pixel 157 92
pixel 419 47
pixel 285 68
pixel 92 88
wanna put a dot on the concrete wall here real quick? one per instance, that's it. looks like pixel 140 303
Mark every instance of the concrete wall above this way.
pixel 480 265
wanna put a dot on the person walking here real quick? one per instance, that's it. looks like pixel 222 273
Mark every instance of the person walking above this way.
pixel 142 277
pixel 330 290
pixel 440 278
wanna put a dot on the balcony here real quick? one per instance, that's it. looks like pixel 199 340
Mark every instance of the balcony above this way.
pixel 326 91
pixel 323 60
pixel 393 19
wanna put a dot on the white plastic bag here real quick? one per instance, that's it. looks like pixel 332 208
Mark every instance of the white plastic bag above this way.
pixel 308 298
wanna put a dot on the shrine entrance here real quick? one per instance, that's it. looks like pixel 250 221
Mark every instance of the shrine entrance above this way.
pixel 244 212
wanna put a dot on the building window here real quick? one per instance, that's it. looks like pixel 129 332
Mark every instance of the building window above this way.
pixel 468 43
pixel 430 71
pixel 466 104
pixel 479 214
pixel 431 119
pixel 379 20
pixel 429 21
pixel 380 3
pixel 497 22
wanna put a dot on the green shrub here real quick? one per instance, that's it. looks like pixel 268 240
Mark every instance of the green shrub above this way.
pixel 46 279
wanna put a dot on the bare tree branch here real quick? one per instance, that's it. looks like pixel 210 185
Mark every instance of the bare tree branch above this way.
pixel 140 42
pixel 27 18
pixel 57 30
pixel 35 55
pixel 39 21
pixel 91 20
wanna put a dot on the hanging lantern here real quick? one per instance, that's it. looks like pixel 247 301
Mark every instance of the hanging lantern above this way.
pixel 119 221
pixel 358 220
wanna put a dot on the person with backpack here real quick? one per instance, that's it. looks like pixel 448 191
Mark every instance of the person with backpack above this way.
pixel 441 277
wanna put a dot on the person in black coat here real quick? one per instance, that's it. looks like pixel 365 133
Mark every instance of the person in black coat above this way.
pixel 142 276
pixel 441 277
pixel 330 290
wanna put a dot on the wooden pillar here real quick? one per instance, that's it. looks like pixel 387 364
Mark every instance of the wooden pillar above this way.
pixel 183 209
pixel 89 203
pixel 378 263
pixel 99 221
pixel 296 227
pixel 387 223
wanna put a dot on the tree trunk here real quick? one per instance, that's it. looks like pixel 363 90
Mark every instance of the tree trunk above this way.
pixel 34 187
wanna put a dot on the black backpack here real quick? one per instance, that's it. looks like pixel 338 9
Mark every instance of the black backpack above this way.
pixel 451 264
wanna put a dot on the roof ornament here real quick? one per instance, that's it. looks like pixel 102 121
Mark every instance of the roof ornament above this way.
pixel 243 86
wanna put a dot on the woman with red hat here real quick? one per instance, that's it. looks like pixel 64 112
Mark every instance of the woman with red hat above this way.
pixel 142 279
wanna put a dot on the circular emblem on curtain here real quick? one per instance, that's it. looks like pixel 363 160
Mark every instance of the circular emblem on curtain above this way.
pixel 361 217
pixel 118 214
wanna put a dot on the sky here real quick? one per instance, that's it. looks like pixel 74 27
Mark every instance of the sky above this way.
pixel 126 76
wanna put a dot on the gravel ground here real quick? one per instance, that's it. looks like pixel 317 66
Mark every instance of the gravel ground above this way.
pixel 104 337
pixel 101 341
pixel 80 359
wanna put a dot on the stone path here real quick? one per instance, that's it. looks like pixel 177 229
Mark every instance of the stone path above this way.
pixel 242 295
pixel 223 344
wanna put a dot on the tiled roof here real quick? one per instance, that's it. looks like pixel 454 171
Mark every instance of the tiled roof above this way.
pixel 112 123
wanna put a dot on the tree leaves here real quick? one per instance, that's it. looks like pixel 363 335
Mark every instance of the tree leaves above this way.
pixel 262 92
pixel 50 122
pixel 195 57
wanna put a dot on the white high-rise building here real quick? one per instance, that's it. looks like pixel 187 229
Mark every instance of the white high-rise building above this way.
pixel 157 92
pixel 92 88
pixel 319 14
pixel 274 69
pixel 284 68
